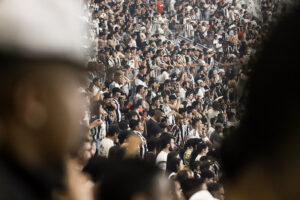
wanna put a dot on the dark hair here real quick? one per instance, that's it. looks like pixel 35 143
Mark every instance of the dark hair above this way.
pixel 133 124
pixel 138 88
pixel 207 174
pixel 116 153
pixel 191 186
pixel 124 124
pixel 173 162
pixel 213 187
pixel 198 150
pixel 113 129
pixel 153 144
pixel 129 177
pixel 165 139
pixel 131 114
pixel 204 166
pixel 123 135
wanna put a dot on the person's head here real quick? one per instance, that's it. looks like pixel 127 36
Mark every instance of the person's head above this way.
pixel 136 125
pixel 216 190
pixel 189 95
pixel 133 115
pixel 158 115
pixel 140 89
pixel 167 142
pixel 134 179
pixel 174 162
pixel 40 107
pixel 219 128
pixel 191 186
pixel 118 77
pixel 202 149
pixel 116 92
pixel 156 102
pixel 107 98
pixel 113 132
pixel 97 81
pixel 116 153
pixel 208 176
pixel 196 123
pixel 231 116
pixel 123 136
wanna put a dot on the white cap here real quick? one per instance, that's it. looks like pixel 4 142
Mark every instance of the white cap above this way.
pixel 41 29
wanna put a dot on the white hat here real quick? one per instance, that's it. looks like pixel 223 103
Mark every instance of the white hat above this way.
pixel 41 29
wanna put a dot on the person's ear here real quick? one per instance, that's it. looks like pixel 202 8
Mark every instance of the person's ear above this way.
pixel 28 107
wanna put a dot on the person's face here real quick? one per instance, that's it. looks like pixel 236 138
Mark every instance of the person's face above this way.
pixel 87 152
pixel 142 91
pixel 161 100
pixel 157 103
pixel 141 127
pixel 135 117
pixel 118 94
pixel 98 83
pixel 172 144
pixel 166 100
pixel 145 70
pixel 53 113
pixel 181 165
pixel 107 101
pixel 118 79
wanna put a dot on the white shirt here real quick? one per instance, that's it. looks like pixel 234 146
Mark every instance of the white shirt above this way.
pixel 182 93
pixel 161 160
pixel 164 76
pixel 114 85
pixel 202 195
pixel 210 131
pixel 198 157
pixel 211 113
pixel 104 147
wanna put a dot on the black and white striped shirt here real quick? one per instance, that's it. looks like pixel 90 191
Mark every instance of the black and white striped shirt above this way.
pixel 143 146
pixel 118 110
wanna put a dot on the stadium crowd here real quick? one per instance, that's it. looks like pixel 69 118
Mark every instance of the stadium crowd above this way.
pixel 165 81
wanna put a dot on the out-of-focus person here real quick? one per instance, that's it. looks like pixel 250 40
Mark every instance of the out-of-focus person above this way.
pixel 40 104
pixel 260 160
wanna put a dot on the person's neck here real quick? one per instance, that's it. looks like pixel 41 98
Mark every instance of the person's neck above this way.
pixel 166 150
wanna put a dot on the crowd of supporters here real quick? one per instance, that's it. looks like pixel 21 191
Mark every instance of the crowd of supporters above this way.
pixel 165 81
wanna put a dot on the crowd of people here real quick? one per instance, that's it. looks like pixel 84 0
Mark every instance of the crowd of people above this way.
pixel 164 84
pixel 162 96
